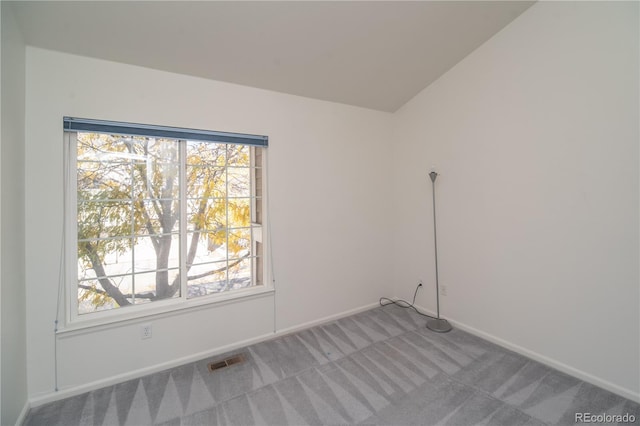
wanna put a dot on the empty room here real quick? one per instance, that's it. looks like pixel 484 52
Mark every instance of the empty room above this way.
pixel 320 212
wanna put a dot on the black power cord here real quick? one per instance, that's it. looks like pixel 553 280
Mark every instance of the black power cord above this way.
pixel 384 301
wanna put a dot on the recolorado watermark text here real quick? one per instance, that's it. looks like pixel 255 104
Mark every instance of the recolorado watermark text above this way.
pixel 604 418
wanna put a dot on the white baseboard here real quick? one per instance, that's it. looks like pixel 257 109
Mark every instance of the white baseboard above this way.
pixel 313 323
pixel 77 390
pixel 119 378
pixel 23 414
pixel 550 362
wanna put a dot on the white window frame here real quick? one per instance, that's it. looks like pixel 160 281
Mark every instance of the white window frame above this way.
pixel 74 320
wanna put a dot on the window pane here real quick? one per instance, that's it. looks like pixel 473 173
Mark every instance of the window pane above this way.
pixel 154 217
pixel 166 253
pixel 210 247
pixel 112 169
pixel 207 279
pixel 160 284
pixel 206 182
pixel 239 243
pixel 206 154
pixel 100 179
pixel 92 297
pixel 207 215
pixel 156 176
pixel 238 156
pixel 106 257
pixel 103 219
pixel 238 182
pixel 104 167
pixel 85 272
pixel 154 180
pixel 239 212
pixel 103 148
pixel 239 274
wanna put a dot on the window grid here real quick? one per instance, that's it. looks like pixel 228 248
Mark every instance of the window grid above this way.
pixel 231 260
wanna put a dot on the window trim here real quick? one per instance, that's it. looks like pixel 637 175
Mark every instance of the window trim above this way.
pixel 165 311
pixel 159 308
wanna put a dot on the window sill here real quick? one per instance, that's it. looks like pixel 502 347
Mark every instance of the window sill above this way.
pixel 178 308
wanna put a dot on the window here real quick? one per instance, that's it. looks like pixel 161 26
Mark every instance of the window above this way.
pixel 162 215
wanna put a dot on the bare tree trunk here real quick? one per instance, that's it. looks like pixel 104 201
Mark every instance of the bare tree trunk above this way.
pixel 113 291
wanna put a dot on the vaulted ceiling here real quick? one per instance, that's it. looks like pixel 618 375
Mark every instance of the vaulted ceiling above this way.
pixel 375 54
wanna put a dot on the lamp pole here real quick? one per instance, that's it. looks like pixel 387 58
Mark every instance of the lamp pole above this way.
pixel 439 325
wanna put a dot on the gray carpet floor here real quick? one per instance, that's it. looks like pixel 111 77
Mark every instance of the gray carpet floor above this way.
pixel 379 367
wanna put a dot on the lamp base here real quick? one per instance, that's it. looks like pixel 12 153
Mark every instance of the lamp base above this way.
pixel 439 325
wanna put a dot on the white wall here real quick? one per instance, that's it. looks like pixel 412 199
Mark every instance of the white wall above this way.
pixel 13 372
pixel 328 167
pixel 535 137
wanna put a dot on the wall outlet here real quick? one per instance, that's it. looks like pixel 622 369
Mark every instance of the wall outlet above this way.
pixel 443 290
pixel 145 331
